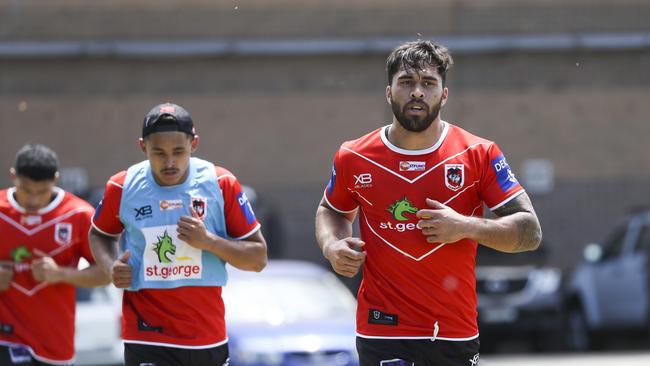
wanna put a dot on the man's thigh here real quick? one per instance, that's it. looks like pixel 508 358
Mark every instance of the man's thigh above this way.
pixel 146 355
pixel 383 352
pixel 18 356
pixel 399 352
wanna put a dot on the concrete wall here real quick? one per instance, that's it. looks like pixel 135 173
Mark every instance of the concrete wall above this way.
pixel 276 121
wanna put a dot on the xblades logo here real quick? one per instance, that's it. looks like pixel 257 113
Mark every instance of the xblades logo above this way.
pixel 143 212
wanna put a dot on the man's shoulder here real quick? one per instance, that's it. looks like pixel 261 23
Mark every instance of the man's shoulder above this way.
pixel 371 140
pixel 462 138
pixel 118 179
pixel 72 204
pixel 4 200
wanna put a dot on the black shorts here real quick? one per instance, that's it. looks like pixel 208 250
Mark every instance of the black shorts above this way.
pixel 417 352
pixel 19 356
pixel 146 355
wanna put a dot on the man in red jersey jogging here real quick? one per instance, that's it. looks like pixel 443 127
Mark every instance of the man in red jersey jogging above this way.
pixel 418 186
pixel 44 234
pixel 178 219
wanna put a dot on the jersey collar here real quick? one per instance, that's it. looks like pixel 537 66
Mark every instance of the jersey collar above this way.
pixel 434 147
pixel 51 206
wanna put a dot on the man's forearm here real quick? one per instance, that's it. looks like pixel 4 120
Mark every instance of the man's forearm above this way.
pixel 92 276
pixel 104 249
pixel 331 226
pixel 517 232
pixel 248 254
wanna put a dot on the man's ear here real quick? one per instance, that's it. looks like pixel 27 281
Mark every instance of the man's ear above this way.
pixel 143 146
pixel 389 94
pixel 195 143
pixel 12 174
pixel 445 96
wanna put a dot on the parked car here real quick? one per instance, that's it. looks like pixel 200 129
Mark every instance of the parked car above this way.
pixel 293 313
pixel 519 298
pixel 608 294
pixel 97 333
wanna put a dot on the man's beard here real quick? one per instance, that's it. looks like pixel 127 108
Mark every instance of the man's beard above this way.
pixel 415 123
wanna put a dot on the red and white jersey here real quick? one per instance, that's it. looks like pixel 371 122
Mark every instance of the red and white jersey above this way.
pixel 182 317
pixel 36 314
pixel 412 288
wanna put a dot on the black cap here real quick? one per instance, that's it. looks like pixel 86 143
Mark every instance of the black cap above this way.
pixel 167 117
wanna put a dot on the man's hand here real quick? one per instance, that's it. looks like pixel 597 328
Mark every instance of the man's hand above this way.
pixel 6 275
pixel 192 230
pixel 121 271
pixel 441 224
pixel 45 269
pixel 346 256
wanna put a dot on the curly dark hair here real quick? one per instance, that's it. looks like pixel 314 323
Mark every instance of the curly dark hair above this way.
pixel 416 56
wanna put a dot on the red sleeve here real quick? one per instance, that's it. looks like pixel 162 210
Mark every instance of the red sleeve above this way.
pixel 499 184
pixel 240 218
pixel 84 245
pixel 107 214
pixel 337 194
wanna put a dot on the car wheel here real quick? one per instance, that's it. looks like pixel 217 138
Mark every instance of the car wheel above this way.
pixel 577 334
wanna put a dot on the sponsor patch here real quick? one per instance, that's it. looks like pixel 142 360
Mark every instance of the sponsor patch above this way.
pixel 330 185
pixel 170 205
pixel 63 233
pixel 381 318
pixel 395 362
pixel 144 212
pixel 505 177
pixel 31 220
pixel 19 354
pixel 167 258
pixel 412 166
pixel 454 176
pixel 246 208
pixel 363 180
pixel 6 328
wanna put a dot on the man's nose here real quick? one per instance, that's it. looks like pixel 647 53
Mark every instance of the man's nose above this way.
pixel 417 93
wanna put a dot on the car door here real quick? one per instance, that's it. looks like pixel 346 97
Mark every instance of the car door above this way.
pixel 620 280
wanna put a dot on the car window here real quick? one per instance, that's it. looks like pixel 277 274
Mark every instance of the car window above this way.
pixel 644 239
pixel 95 295
pixel 280 299
pixel 614 244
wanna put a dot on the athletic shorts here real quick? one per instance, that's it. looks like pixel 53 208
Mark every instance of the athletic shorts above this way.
pixel 19 356
pixel 146 355
pixel 417 352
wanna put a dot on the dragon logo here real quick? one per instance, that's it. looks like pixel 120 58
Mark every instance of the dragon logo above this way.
pixel 401 207
pixel 165 246
pixel 20 254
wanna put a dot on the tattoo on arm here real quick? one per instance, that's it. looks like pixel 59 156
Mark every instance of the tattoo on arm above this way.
pixel 528 228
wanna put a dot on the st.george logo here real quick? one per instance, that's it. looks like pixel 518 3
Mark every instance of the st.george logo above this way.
pixel 454 176
pixel 199 206
pixel 63 233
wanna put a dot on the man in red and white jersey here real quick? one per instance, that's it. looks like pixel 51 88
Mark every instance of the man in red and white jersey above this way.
pixel 418 187
pixel 44 234
pixel 178 219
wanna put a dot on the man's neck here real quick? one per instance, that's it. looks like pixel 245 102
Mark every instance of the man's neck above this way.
pixel 408 140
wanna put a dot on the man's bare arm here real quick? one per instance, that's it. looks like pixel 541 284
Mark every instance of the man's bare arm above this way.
pixel 516 229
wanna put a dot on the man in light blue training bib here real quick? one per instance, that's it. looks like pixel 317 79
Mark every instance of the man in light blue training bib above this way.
pixel 177 220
